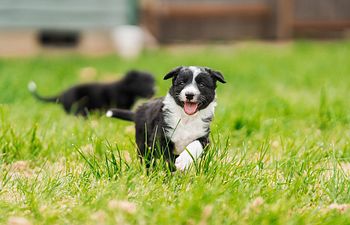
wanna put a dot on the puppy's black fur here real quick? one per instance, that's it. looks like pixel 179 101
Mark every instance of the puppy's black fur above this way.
pixel 122 94
pixel 152 118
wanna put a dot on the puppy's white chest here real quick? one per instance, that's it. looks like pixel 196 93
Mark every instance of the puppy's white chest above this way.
pixel 182 128
pixel 186 131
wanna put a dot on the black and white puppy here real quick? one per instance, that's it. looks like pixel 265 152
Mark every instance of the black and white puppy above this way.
pixel 176 126
pixel 81 99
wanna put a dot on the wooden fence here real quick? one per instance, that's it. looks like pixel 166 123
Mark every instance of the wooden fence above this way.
pixel 179 20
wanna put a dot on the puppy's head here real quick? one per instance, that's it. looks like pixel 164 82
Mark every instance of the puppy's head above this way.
pixel 193 88
pixel 140 83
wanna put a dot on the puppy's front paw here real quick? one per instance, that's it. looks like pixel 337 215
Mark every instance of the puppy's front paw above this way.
pixel 183 161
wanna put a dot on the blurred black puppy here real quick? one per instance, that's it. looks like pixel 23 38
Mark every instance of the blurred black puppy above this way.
pixel 121 94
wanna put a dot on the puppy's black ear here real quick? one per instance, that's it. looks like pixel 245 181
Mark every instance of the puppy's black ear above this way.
pixel 173 73
pixel 131 75
pixel 216 74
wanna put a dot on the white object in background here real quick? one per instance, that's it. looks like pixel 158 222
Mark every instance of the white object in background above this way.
pixel 128 40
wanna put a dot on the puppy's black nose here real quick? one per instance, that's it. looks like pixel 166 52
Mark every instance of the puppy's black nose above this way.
pixel 189 96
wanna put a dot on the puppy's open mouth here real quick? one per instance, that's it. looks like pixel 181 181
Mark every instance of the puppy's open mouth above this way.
pixel 190 108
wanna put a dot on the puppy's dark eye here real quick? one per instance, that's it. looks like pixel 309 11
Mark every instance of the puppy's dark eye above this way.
pixel 181 83
pixel 201 84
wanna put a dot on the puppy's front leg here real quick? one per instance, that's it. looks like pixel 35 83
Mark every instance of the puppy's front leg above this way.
pixel 192 151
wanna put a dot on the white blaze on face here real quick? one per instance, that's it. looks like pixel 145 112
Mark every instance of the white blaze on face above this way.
pixel 192 88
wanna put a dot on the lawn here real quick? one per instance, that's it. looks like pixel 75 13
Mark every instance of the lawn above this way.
pixel 279 154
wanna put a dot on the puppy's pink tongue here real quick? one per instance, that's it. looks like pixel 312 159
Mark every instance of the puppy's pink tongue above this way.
pixel 190 108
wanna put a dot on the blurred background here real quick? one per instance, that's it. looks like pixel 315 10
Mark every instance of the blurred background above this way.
pixel 31 27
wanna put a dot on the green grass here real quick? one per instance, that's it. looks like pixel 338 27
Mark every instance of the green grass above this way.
pixel 280 151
